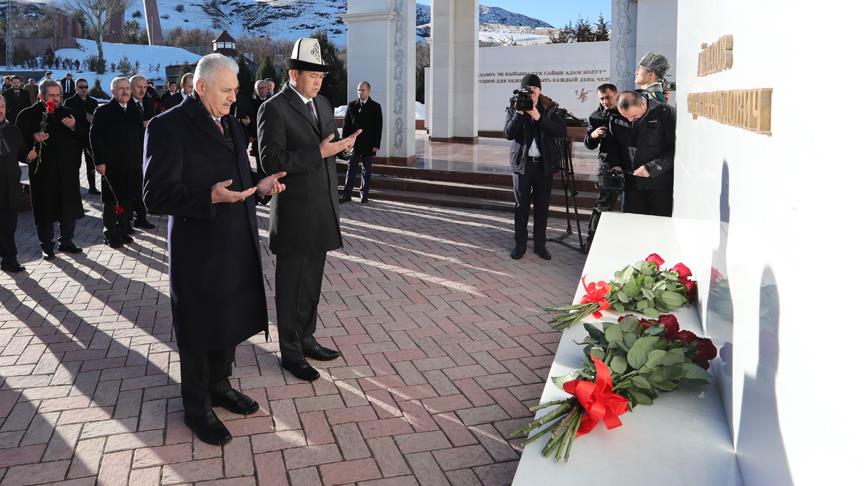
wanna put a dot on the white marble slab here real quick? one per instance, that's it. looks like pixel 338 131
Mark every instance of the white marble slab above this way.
pixel 682 439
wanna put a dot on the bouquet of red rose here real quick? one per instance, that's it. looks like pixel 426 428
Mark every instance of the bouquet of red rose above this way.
pixel 628 363
pixel 43 127
pixel 644 287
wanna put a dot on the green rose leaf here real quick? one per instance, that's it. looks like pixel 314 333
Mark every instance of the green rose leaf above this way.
pixel 647 294
pixel 630 324
pixel 638 354
pixel 666 386
pixel 623 297
pixel 614 334
pixel 673 357
pixel 641 398
pixel 618 364
pixel 696 373
pixel 655 331
pixel 560 380
pixel 595 333
pixel 655 358
pixel 673 299
pixel 642 305
pixel 651 312
pixel 641 382
pixel 619 307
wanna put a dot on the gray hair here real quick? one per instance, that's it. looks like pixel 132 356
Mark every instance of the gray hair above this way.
pixel 366 83
pixel 137 77
pixel 261 82
pixel 47 83
pixel 117 80
pixel 209 64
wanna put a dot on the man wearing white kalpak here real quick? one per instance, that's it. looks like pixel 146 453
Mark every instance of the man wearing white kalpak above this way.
pixel 650 74
pixel 297 135
pixel 197 172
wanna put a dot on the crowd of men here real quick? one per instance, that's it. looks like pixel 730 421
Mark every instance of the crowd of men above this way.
pixel 634 131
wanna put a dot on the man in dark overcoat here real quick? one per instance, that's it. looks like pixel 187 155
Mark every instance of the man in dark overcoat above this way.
pixel 115 138
pixel 297 134
pixel 143 104
pixel 12 150
pixel 83 106
pixel 197 172
pixel 17 98
pixel 54 182
pixel 363 113
pixel 172 97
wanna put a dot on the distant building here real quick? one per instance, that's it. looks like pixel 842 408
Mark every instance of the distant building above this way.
pixel 225 45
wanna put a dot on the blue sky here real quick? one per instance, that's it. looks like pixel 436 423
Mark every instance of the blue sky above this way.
pixel 554 12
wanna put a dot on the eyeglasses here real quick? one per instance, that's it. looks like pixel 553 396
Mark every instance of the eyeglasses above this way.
pixel 83 87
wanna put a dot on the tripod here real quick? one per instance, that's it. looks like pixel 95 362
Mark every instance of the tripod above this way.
pixel 568 183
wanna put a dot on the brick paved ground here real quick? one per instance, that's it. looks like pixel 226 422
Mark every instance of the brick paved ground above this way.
pixel 443 341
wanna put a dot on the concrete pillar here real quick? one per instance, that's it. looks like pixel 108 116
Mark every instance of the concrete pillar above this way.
pixel 454 59
pixel 381 50
pixel 623 60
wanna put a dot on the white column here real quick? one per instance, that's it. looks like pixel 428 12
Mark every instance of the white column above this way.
pixel 623 60
pixel 454 59
pixel 381 50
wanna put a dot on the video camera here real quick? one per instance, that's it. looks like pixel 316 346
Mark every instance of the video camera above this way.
pixel 521 100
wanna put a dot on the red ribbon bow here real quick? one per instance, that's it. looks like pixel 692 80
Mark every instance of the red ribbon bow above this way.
pixel 598 400
pixel 595 293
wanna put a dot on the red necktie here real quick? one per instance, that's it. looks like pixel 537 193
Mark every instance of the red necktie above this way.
pixel 219 126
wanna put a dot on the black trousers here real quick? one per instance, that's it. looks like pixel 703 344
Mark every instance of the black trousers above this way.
pixel 605 202
pixel 532 186
pixel 365 175
pixel 115 224
pixel 656 202
pixel 91 167
pixel 298 289
pixel 45 232
pixel 203 374
pixel 140 209
pixel 8 225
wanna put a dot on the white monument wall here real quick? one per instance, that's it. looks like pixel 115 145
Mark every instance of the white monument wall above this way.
pixel 570 74
pixel 779 216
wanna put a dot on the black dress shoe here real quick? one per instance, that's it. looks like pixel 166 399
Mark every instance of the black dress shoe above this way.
pixel 48 253
pixel 344 199
pixel 113 243
pixel 143 223
pixel 209 428
pixel 517 253
pixel 302 370
pixel 364 200
pixel 13 267
pixel 126 238
pixel 94 191
pixel 71 248
pixel 543 253
pixel 236 402
pixel 321 353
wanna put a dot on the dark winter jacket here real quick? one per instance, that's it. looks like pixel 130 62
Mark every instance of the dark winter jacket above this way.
pixel 648 141
pixel 549 130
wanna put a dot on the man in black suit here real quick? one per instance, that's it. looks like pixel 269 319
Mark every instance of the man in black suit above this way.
pixel 363 113
pixel 197 172
pixel 114 136
pixel 12 150
pixel 68 85
pixel 83 106
pixel 171 98
pixel 297 134
pixel 142 103
pixel 17 98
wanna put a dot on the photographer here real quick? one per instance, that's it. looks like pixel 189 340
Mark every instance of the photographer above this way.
pixel 536 127
pixel 648 147
pixel 598 135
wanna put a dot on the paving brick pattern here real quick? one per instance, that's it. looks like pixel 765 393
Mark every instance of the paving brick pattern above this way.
pixel 444 345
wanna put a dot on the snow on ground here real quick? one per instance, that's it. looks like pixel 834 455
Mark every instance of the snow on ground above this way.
pixel 506 38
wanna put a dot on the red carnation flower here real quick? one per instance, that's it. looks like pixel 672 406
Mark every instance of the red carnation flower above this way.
pixel 655 259
pixel 49 106
pixel 683 272
pixel 118 210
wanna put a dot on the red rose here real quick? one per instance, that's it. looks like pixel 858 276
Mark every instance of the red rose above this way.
pixel 691 290
pixel 49 106
pixel 655 259
pixel 684 336
pixel 670 322
pixel 118 210
pixel 683 272
pixel 646 323
pixel 705 352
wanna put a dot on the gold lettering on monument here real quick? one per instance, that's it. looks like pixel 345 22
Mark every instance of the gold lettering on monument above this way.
pixel 715 57
pixel 749 109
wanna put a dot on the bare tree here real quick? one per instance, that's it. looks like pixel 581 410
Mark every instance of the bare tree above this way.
pixel 97 14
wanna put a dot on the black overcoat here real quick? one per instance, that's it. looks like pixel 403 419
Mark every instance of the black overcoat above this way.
pixel 304 218
pixel 82 108
pixel 115 137
pixel 54 185
pixel 12 151
pixel 217 286
pixel 15 102
pixel 370 120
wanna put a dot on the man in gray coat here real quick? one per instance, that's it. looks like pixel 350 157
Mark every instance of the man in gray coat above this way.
pixel 297 134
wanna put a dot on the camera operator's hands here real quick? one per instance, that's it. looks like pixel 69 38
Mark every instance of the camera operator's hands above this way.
pixel 600 132
pixel 641 172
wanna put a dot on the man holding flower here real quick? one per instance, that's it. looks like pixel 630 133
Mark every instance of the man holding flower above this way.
pixel 51 130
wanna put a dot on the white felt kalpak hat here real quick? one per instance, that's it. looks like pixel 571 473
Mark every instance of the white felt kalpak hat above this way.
pixel 307 56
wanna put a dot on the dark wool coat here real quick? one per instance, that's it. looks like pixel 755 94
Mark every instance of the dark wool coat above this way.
pixel 12 151
pixel 370 120
pixel 82 108
pixel 217 286
pixel 54 185
pixel 116 137
pixel 304 218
